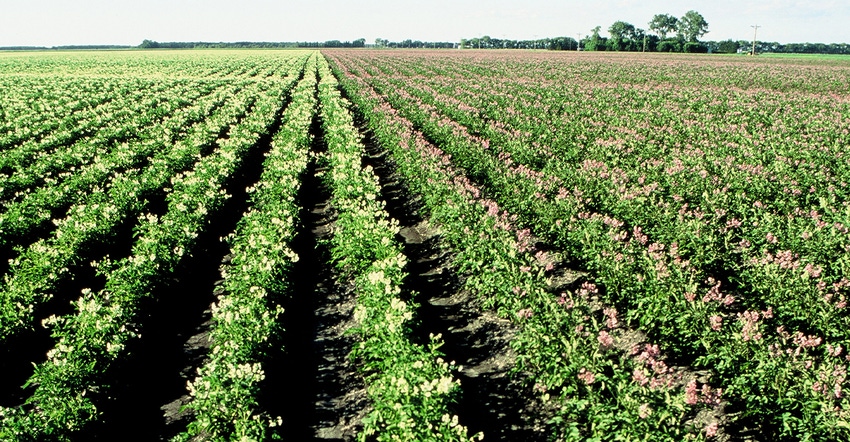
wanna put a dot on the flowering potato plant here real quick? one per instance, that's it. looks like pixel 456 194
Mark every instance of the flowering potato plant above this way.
pixel 90 340
pixel 411 387
pixel 665 205
pixel 668 234
pixel 246 315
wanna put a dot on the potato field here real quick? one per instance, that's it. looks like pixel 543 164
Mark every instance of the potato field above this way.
pixel 415 245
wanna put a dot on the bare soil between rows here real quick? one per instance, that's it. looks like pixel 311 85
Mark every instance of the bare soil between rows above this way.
pixel 311 382
pixel 495 401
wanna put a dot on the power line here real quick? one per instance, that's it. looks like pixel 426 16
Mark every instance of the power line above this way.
pixel 755 30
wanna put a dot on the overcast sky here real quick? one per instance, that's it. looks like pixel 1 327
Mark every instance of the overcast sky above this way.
pixel 67 22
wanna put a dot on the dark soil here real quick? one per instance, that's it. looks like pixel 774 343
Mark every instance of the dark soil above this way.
pixel 494 401
pixel 20 352
pixel 147 390
pixel 311 382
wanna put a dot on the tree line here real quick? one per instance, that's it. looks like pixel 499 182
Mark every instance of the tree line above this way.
pixel 384 43
pixel 653 45
pixel 670 34
pixel 666 33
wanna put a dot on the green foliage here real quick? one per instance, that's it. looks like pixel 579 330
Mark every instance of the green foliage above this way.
pixel 595 42
pixel 724 252
pixel 707 205
pixel 411 387
pixel 694 48
pixel 149 44
pixel 90 339
pixel 728 47
pixel 622 36
pixel 625 37
pixel 664 24
pixel 692 26
pixel 246 315
pixel 668 46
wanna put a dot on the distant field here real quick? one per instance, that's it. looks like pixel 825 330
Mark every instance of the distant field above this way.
pixel 841 57
pixel 434 244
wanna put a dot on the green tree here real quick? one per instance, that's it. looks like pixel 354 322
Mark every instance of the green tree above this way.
pixel 662 24
pixel 595 42
pixel 149 44
pixel 639 40
pixel 622 36
pixel 728 47
pixel 668 46
pixel 652 41
pixel 694 47
pixel 692 26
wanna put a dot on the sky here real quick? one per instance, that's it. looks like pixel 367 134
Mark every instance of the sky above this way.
pixel 120 22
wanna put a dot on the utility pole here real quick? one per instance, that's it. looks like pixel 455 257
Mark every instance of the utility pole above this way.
pixel 755 30
pixel 578 42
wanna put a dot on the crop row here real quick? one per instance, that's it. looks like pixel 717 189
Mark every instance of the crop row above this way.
pixel 167 189
pixel 90 340
pixel 37 269
pixel 156 65
pixel 142 102
pixel 560 341
pixel 246 314
pixel 56 100
pixel 711 223
pixel 640 270
pixel 410 386
pixel 35 107
pixel 36 161
pixel 38 205
pixel 35 272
